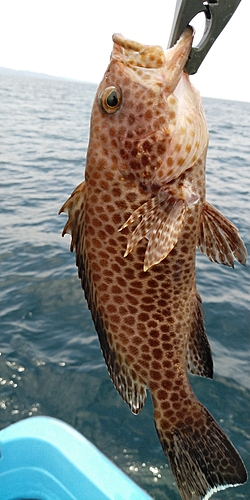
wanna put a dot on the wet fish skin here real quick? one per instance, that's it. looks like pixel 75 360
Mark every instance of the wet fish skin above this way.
pixel 135 223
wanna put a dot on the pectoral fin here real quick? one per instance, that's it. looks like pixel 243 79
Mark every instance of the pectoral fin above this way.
pixel 219 238
pixel 161 222
pixel 199 356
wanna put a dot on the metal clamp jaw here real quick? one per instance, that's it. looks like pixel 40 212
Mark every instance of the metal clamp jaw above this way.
pixel 217 14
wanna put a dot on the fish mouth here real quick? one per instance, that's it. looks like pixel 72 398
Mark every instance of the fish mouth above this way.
pixel 151 65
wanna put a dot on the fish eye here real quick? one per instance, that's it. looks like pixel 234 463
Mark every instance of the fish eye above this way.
pixel 110 99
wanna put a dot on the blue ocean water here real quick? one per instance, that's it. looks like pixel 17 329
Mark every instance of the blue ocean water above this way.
pixel 50 359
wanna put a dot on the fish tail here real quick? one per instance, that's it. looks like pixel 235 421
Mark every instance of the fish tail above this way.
pixel 202 458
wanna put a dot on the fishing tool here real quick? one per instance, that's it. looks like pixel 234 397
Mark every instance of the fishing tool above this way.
pixel 217 14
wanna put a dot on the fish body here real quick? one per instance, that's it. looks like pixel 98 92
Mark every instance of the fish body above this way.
pixel 135 224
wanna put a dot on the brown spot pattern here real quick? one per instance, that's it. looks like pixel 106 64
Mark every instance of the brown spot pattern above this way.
pixel 147 322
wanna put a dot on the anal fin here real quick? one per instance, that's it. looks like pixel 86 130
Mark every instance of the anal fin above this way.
pixel 199 355
pixel 219 238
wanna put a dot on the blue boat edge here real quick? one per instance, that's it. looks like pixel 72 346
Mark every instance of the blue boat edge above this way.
pixel 44 458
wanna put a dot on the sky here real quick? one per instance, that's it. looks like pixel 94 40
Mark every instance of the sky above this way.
pixel 73 39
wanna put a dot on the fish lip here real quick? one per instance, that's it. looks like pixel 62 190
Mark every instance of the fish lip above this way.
pixel 150 65
pixel 124 46
pixel 177 56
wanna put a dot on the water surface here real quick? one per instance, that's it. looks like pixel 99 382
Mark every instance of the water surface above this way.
pixel 50 362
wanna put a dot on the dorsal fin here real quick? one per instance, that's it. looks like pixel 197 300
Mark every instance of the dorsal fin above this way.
pixel 219 238
pixel 131 388
pixel 162 221
pixel 73 207
pixel 199 356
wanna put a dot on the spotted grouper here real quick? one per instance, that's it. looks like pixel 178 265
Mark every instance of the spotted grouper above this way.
pixel 135 223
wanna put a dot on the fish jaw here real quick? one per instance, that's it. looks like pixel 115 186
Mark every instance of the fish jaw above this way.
pixel 157 130
pixel 167 65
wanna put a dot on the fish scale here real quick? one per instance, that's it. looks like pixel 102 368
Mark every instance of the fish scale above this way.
pixel 135 223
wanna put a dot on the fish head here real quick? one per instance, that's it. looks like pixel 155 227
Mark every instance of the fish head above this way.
pixel 149 65
pixel 151 113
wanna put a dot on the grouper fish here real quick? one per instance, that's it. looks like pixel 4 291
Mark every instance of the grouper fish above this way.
pixel 135 223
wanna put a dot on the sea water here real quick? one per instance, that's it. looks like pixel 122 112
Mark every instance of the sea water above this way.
pixel 50 359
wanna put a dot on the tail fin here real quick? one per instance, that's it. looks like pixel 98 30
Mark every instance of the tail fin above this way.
pixel 202 458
